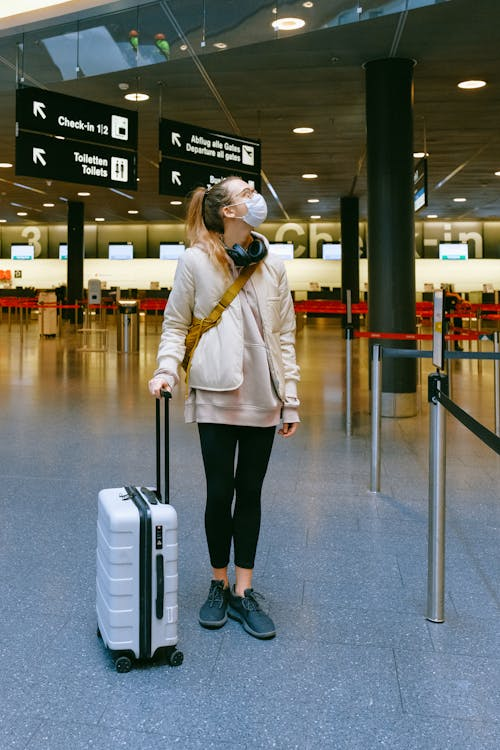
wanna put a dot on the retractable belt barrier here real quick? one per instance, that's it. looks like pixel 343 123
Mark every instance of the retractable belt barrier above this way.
pixel 439 402
pixel 422 309
pixel 378 354
pixel 486 436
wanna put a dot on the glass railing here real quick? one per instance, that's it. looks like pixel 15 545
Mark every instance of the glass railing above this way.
pixel 153 33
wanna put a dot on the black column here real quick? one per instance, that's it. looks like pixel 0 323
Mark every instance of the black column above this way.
pixel 391 255
pixel 75 251
pixel 349 231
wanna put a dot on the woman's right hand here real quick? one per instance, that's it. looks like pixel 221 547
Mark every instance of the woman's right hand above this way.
pixel 158 384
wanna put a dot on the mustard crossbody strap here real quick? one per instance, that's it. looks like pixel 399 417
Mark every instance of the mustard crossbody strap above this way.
pixel 231 293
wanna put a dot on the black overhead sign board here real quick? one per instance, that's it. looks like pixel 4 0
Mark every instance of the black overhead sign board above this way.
pixel 420 184
pixel 57 114
pixel 64 138
pixel 194 156
pixel 75 161
pixel 180 177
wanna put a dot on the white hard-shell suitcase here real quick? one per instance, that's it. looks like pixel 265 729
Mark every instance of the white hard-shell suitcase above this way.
pixel 136 582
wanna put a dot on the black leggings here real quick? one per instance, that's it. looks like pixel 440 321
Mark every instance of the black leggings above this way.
pixel 218 447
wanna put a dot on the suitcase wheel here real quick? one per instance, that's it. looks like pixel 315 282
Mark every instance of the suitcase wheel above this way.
pixel 176 658
pixel 123 664
pixel 98 633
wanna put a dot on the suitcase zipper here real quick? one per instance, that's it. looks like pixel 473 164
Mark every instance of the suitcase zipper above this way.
pixel 145 571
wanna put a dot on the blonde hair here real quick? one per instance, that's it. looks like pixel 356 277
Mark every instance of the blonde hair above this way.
pixel 204 224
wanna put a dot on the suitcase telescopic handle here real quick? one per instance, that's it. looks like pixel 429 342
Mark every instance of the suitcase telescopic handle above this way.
pixel 163 496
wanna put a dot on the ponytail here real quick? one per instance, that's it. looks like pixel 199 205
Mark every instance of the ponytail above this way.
pixel 204 225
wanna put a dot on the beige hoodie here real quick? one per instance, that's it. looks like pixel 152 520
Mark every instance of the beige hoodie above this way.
pixel 229 359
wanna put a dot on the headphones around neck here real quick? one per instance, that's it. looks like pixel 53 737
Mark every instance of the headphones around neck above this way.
pixel 241 257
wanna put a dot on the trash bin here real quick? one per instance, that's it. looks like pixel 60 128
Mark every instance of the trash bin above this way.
pixel 127 332
pixel 47 320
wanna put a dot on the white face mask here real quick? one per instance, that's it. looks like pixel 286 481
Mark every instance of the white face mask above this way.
pixel 256 210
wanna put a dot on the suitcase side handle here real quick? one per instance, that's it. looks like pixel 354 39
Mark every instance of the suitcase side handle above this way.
pixel 163 496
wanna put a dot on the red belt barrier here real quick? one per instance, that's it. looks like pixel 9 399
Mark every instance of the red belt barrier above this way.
pixel 469 336
pixel 424 309
pixel 153 304
pixel 395 336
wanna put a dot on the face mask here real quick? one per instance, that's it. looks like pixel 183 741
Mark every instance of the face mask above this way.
pixel 256 210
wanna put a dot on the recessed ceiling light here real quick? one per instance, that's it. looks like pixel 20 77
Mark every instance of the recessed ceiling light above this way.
pixel 419 154
pixel 176 203
pixel 316 216
pixel 303 131
pixel 137 97
pixel 99 218
pixel 60 137
pixel 5 164
pixel 132 211
pixel 498 173
pixel 309 176
pixel 22 213
pixel 83 193
pixel 459 200
pixel 49 205
pixel 288 24
pixel 313 200
pixel 432 216
pixel 308 4
pixel 3 221
pixel 471 84
pixel 220 45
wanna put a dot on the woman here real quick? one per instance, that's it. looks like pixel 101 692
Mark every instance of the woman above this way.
pixel 242 381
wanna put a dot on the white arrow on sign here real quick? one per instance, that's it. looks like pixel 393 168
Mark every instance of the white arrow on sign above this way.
pixel 39 109
pixel 38 154
pixel 176 139
pixel 176 178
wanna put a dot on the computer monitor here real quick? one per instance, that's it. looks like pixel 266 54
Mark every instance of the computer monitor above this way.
pixel 453 251
pixel 283 250
pixel 331 251
pixel 63 251
pixel 120 250
pixel 22 251
pixel 171 250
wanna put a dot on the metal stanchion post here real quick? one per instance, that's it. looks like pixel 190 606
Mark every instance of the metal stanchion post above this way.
pixel 348 364
pixel 376 417
pixel 479 345
pixel 449 366
pixel 496 347
pixel 348 380
pixel 437 499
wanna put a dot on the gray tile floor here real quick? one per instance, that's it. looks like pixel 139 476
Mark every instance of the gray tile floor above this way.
pixel 355 663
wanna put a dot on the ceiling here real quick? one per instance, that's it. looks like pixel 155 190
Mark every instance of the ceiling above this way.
pixel 262 86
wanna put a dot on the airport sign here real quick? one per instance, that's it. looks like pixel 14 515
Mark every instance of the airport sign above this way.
pixel 41 111
pixel 43 156
pixel 201 156
pixel 180 177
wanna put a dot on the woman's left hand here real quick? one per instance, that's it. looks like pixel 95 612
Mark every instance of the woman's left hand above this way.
pixel 288 429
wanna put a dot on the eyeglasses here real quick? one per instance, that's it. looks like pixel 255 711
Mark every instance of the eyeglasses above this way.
pixel 246 192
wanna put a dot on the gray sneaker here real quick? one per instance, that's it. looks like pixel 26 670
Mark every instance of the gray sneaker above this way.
pixel 247 610
pixel 213 613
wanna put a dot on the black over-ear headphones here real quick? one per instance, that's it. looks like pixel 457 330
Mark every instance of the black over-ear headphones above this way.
pixel 241 257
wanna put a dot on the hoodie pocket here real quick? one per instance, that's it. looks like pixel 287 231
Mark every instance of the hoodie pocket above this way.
pixel 274 310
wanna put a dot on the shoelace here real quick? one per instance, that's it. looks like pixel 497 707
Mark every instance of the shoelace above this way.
pixel 216 596
pixel 251 603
